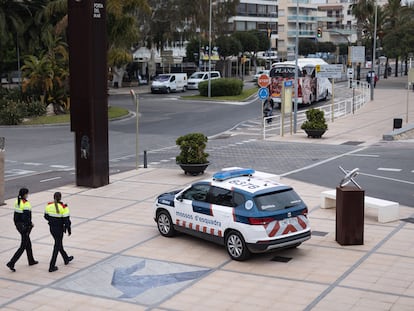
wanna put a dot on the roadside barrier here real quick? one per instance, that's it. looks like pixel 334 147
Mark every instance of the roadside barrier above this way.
pixel 360 95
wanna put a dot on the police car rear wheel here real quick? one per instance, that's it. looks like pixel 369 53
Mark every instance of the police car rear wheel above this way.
pixel 164 224
pixel 236 246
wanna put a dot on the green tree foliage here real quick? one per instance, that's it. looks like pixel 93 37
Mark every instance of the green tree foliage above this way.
pixel 307 46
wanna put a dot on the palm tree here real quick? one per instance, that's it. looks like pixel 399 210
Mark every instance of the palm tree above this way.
pixel 12 15
pixel 362 10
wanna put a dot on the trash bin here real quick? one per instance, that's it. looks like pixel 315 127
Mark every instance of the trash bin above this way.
pixel 349 216
pixel 397 123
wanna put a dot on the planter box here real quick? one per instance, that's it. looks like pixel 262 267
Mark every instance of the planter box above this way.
pixel 315 133
pixel 194 169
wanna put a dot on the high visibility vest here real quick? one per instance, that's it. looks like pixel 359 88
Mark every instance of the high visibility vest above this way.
pixel 23 206
pixel 62 210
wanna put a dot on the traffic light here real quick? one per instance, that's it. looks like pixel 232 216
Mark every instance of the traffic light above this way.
pixel 319 33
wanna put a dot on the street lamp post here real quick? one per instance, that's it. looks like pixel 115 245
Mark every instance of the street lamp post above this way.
pixel 295 106
pixel 209 52
pixel 372 71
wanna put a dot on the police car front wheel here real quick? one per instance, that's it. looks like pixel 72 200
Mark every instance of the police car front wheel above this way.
pixel 236 246
pixel 164 224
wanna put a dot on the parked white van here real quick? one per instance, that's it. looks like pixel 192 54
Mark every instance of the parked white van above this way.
pixel 169 82
pixel 200 76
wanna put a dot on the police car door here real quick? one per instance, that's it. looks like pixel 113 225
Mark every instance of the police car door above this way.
pixel 191 204
pixel 222 206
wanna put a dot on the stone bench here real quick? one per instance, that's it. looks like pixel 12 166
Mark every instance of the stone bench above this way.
pixel 387 210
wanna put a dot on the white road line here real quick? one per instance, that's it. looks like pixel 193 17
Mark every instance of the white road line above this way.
pixel 322 162
pixel 49 179
pixel 364 155
pixel 16 172
pixel 58 166
pixel 387 178
pixel 389 169
pixel 32 163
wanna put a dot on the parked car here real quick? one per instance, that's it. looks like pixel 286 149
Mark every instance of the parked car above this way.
pixel 4 78
pixel 171 82
pixel 244 210
pixel 200 76
pixel 16 77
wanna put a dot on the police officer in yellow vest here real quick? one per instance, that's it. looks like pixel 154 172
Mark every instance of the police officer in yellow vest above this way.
pixel 57 214
pixel 23 222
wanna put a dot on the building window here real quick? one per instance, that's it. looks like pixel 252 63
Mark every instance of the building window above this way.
pixel 241 9
pixel 261 10
pixel 250 25
pixel 240 26
pixel 251 9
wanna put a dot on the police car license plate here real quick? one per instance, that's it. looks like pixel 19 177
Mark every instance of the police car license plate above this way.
pixel 289 221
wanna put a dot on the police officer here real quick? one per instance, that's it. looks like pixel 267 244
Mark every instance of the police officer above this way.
pixel 57 214
pixel 268 107
pixel 23 222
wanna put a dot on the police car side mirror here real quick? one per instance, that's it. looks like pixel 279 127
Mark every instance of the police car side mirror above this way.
pixel 179 198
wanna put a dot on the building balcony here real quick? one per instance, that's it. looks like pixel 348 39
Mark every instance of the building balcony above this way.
pixel 302 18
pixel 302 33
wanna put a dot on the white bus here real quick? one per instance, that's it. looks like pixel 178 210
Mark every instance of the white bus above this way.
pixel 310 88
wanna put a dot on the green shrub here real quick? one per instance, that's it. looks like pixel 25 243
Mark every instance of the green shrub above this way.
pixel 10 112
pixel 192 148
pixel 33 108
pixel 315 120
pixel 221 87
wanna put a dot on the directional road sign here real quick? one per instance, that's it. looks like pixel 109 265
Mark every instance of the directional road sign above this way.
pixel 329 71
pixel 263 93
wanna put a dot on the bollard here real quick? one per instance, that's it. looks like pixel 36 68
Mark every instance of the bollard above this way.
pixel 2 170
pixel 145 158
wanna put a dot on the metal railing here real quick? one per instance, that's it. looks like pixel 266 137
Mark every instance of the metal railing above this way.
pixel 360 96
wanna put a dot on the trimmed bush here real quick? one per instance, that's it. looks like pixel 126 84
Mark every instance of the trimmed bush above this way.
pixel 10 112
pixel 315 120
pixel 221 87
pixel 192 148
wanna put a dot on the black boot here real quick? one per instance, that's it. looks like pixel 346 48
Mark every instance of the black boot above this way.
pixel 11 266
pixel 67 261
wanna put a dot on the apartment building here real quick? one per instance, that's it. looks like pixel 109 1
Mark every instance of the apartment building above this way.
pixel 257 14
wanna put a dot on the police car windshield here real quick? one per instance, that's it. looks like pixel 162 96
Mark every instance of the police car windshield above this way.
pixel 275 201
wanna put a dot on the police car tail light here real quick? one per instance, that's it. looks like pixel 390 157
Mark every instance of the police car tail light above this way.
pixel 260 221
pixel 305 212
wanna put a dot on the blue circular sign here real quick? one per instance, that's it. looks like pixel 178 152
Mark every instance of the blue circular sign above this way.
pixel 263 93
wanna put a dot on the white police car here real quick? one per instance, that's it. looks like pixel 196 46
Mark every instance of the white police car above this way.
pixel 239 208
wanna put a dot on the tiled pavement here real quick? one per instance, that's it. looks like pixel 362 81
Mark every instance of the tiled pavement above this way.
pixel 122 263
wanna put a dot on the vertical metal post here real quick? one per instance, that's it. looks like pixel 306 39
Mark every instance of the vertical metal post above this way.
pixel 136 103
pixel 295 108
pixel 372 82
pixel 332 101
pixel 2 139
pixel 209 51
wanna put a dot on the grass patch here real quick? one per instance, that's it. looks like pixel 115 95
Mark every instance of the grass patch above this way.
pixel 113 113
pixel 243 96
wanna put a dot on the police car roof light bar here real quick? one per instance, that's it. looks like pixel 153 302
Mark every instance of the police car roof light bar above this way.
pixel 223 175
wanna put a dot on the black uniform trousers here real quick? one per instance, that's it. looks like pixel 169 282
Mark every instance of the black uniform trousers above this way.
pixel 25 244
pixel 57 233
